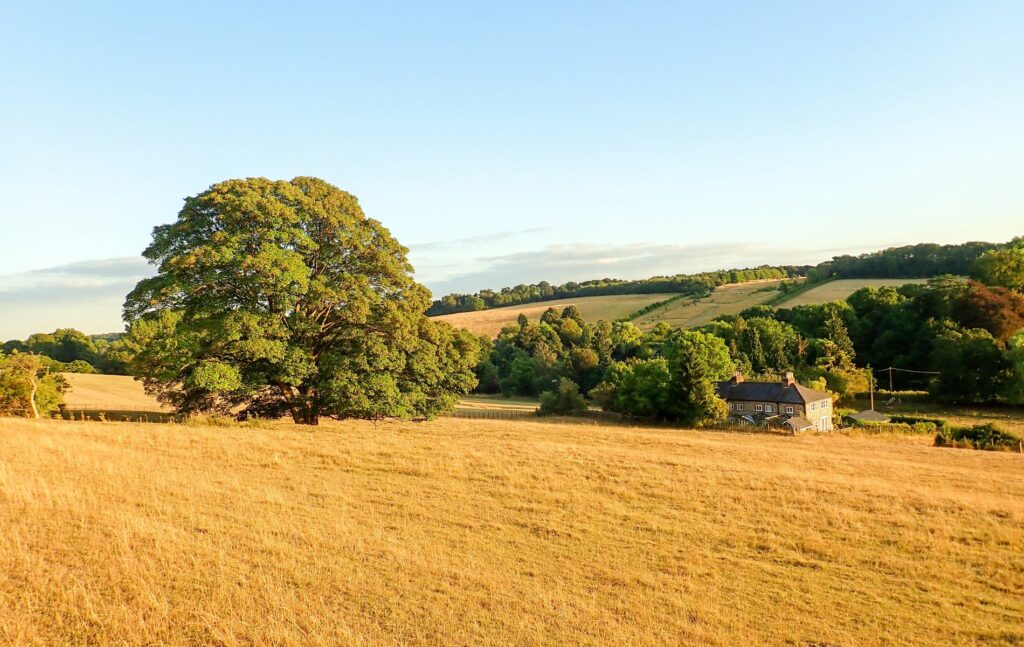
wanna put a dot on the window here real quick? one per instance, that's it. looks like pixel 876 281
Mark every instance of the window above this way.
pixel 739 406
pixel 731 406
pixel 767 408
pixel 758 407
pixel 789 409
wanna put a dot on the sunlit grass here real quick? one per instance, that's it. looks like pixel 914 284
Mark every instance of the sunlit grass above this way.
pixel 495 532
pixel 605 308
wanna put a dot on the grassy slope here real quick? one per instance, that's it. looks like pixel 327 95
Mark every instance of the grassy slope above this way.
pixel 838 290
pixel 108 392
pixel 727 299
pixel 608 308
pixel 489 532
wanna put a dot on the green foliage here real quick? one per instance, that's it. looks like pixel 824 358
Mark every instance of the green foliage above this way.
pixel 911 261
pixel 282 297
pixel 564 400
pixel 644 389
pixel 987 436
pixel 1014 387
pixel 972 368
pixel 1002 267
pixel 900 428
pixel 28 387
pixel 679 385
pixel 698 361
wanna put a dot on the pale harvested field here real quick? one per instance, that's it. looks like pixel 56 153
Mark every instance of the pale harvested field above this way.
pixel 108 392
pixel 608 308
pixel 840 289
pixel 725 300
pixel 496 533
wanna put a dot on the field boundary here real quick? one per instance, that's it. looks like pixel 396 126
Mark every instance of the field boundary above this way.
pixel 805 286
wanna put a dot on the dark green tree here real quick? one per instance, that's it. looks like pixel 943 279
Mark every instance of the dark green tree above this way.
pixel 276 297
pixel 564 400
pixel 972 368
pixel 1002 267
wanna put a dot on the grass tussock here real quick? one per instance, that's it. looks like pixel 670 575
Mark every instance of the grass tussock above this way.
pixel 483 532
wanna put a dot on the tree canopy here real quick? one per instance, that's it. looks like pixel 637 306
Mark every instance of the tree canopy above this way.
pixel 276 297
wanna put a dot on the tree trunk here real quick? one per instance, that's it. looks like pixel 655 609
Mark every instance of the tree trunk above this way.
pixel 306 416
pixel 32 397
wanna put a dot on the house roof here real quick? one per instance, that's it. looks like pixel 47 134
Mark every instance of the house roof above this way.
pixel 799 424
pixel 870 415
pixel 769 392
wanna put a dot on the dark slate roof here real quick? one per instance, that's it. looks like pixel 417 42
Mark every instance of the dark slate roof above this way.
pixel 769 392
pixel 869 415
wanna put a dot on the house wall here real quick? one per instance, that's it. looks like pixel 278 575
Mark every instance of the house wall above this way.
pixel 749 406
pixel 820 413
pixel 820 416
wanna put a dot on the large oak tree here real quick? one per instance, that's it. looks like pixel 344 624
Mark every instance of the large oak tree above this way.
pixel 276 297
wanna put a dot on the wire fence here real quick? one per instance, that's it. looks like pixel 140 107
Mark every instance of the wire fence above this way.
pixel 493 414
pixel 113 407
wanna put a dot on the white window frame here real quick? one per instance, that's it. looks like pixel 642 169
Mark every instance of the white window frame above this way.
pixel 789 409
pixel 739 406
pixel 732 405
pixel 767 408
pixel 758 407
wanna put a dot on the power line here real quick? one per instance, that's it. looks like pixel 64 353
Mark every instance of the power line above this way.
pixel 890 370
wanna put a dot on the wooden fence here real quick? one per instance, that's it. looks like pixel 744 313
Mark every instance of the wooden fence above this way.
pixel 493 414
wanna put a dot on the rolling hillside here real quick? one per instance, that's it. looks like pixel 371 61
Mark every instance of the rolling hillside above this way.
pixel 608 308
pixel 840 289
pixel 725 300
pixel 109 392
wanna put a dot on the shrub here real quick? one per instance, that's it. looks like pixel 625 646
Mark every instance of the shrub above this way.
pixel 566 400
pixel 899 428
pixel 987 436
pixel 910 420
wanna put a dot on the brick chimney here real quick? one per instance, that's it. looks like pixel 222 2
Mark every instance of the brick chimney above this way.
pixel 737 377
pixel 788 380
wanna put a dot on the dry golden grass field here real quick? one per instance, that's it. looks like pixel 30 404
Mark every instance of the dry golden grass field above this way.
pixel 108 392
pixel 840 289
pixel 496 533
pixel 607 308
pixel 725 300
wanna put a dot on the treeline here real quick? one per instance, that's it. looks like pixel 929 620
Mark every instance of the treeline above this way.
pixel 71 351
pixel 961 340
pixel 925 260
pixel 687 284
pixel 964 339
pixel 665 374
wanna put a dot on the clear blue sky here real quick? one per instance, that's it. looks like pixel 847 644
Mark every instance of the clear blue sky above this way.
pixel 510 142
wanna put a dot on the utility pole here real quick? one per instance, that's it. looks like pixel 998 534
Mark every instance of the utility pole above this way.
pixel 871 386
pixel 890 381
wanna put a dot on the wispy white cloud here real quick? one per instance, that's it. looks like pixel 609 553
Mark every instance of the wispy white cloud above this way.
pixel 84 294
pixel 561 263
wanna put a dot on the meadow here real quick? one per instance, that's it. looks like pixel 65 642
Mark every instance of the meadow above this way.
pixel 685 313
pixel 607 308
pixel 489 532
pixel 839 290
pixel 725 300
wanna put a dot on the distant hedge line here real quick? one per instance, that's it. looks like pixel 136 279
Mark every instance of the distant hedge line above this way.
pixel 696 285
